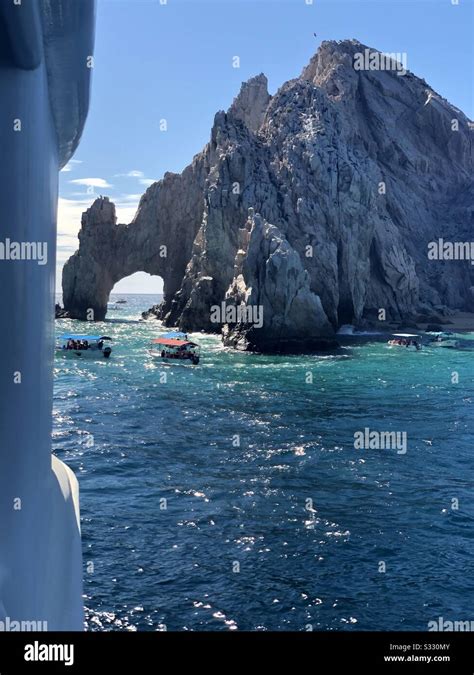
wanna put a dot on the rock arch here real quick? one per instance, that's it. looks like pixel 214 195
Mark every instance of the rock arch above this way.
pixel 158 241
pixel 308 161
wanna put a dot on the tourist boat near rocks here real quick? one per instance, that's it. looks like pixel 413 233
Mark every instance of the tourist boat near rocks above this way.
pixel 175 349
pixel 83 346
pixel 445 339
pixel 408 341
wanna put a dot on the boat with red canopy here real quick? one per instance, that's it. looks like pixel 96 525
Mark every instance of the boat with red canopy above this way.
pixel 175 349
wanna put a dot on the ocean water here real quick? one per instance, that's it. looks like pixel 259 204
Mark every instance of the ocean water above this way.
pixel 231 497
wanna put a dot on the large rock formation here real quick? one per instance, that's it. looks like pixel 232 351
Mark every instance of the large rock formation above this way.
pixel 349 174
pixel 269 277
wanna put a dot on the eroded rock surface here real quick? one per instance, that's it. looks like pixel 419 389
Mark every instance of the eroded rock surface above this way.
pixel 348 174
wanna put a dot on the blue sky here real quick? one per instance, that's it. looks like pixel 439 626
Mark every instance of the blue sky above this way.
pixel 173 61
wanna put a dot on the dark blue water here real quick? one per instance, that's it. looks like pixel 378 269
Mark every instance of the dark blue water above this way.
pixel 185 529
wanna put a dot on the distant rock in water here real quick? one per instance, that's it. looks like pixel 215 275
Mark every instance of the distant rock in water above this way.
pixel 152 313
pixel 60 312
pixel 307 210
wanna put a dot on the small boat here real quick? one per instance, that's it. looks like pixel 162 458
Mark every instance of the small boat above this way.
pixel 121 302
pixel 443 339
pixel 406 340
pixel 83 346
pixel 175 349
pixel 113 306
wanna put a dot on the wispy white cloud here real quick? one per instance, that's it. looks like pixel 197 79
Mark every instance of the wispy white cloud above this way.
pixel 70 165
pixel 131 197
pixel 91 182
pixel 147 181
pixel 69 215
pixel 84 196
pixel 130 174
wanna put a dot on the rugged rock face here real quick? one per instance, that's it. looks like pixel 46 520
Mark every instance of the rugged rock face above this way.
pixel 349 174
pixel 269 277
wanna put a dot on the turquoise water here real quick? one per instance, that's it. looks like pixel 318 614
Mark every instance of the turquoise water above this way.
pixel 185 529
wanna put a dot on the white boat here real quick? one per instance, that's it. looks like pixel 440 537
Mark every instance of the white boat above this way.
pixel 115 306
pixel 175 349
pixel 406 341
pixel 443 339
pixel 83 346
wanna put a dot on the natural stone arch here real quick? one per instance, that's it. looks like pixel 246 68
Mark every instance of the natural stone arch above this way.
pixel 158 241
pixel 308 161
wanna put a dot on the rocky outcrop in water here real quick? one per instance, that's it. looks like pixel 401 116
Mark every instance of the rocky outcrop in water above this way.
pixel 60 312
pixel 269 276
pixel 314 206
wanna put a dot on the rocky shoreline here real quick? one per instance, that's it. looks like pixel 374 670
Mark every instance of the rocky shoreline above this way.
pixel 456 322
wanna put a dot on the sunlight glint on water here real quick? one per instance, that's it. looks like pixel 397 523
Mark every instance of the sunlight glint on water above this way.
pixel 173 444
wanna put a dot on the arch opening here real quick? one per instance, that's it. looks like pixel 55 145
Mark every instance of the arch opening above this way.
pixel 134 293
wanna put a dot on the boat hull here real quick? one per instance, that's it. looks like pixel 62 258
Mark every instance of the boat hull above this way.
pixel 156 356
pixel 450 344
pixel 410 348
pixel 88 354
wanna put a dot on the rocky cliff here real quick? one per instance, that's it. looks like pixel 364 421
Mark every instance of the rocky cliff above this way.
pixel 308 209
